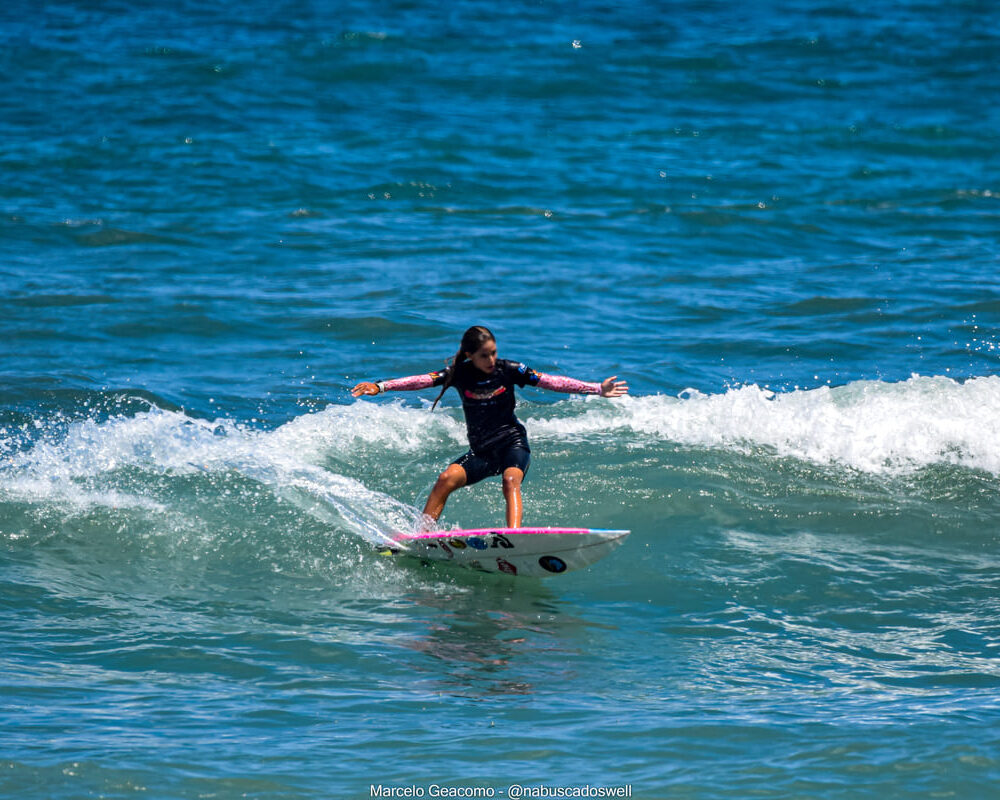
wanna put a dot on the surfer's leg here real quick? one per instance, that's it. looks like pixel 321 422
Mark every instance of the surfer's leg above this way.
pixel 452 478
pixel 512 478
pixel 515 466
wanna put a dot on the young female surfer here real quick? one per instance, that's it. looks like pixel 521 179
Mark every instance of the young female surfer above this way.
pixel 498 443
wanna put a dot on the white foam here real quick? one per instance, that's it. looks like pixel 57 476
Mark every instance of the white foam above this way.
pixel 871 426
pixel 74 469
pixel 395 426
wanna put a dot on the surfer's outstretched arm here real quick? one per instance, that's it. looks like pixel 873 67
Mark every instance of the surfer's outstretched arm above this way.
pixel 409 384
pixel 610 387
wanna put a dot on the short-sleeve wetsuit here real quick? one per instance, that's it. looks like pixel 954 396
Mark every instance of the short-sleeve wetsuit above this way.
pixel 497 440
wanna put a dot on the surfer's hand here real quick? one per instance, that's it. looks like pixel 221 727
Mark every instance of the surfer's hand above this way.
pixel 612 387
pixel 366 387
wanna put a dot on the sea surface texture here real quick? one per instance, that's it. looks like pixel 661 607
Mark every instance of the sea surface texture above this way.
pixel 779 222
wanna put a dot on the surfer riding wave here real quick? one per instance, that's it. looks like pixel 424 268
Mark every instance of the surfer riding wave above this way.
pixel 498 442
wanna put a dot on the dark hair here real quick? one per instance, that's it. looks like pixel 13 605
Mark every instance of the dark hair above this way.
pixel 474 338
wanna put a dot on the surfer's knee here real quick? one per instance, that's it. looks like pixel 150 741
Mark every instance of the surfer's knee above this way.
pixel 512 479
pixel 452 478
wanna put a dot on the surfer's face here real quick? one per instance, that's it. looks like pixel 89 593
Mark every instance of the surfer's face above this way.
pixel 485 358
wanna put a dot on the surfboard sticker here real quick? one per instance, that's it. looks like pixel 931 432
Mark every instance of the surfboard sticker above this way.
pixel 534 552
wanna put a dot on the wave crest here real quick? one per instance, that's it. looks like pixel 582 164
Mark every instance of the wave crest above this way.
pixel 871 426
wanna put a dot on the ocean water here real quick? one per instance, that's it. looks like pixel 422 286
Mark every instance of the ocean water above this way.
pixel 779 222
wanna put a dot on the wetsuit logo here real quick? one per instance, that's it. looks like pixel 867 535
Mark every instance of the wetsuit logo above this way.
pixel 485 395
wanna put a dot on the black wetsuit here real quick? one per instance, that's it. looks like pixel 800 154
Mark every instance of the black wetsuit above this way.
pixel 496 438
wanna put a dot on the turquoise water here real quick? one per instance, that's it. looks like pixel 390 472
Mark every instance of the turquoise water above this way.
pixel 779 223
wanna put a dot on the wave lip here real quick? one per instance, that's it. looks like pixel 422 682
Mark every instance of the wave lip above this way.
pixel 871 426
pixel 125 461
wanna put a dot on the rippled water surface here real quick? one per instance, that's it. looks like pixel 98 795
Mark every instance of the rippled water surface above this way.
pixel 779 224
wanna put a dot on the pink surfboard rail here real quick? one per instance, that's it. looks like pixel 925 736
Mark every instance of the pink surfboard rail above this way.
pixel 504 531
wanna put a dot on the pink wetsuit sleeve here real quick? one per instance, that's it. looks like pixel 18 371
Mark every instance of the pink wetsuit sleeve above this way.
pixel 411 383
pixel 557 383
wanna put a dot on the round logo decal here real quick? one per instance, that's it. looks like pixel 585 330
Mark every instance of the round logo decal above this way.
pixel 477 543
pixel 552 564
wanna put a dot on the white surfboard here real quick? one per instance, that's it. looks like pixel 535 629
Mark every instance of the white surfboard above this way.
pixel 537 552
